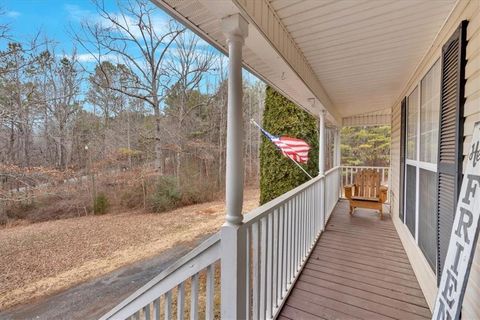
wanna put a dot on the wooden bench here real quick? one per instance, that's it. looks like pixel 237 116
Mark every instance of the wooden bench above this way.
pixel 367 191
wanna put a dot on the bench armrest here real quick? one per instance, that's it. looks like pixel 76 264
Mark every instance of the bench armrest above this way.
pixel 349 190
pixel 383 194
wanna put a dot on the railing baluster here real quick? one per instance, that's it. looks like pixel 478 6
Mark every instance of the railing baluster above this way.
pixel 146 312
pixel 210 293
pixel 181 301
pixel 168 305
pixel 263 266
pixel 304 224
pixel 270 265
pixel 247 266
pixel 281 254
pixel 295 238
pixel 256 270
pixel 156 309
pixel 194 297
pixel 285 249
pixel 274 257
pixel 291 256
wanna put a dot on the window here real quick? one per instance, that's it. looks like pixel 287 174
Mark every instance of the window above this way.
pixel 412 120
pixel 423 106
pixel 429 113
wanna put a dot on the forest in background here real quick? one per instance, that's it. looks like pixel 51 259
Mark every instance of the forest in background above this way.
pixel 142 124
pixel 366 146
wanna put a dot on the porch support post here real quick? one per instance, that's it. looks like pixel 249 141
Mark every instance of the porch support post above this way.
pixel 336 142
pixel 233 235
pixel 338 160
pixel 321 164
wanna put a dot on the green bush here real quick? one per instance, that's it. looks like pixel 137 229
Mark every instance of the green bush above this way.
pixel 278 174
pixel 166 195
pixel 100 205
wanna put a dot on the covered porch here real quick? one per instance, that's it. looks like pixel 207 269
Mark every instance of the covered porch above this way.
pixel 302 255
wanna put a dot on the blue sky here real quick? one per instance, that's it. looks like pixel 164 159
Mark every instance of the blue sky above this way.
pixel 55 19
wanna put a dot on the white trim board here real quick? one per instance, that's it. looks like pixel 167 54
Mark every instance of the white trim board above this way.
pixel 424 273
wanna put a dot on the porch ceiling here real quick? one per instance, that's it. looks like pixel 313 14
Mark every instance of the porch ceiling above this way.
pixel 363 51
pixel 352 56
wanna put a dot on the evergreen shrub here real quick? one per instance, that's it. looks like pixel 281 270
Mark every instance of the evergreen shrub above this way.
pixel 278 174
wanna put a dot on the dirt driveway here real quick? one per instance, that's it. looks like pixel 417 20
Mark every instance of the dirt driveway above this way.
pixel 42 259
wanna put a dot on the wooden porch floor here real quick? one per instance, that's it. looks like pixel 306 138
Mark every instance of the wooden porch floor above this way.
pixel 357 270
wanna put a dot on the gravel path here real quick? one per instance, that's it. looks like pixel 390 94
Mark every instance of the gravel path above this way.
pixel 42 259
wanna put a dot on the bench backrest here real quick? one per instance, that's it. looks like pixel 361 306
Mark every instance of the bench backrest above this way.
pixel 367 183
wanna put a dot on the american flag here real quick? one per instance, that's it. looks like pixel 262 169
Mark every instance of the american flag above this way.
pixel 295 149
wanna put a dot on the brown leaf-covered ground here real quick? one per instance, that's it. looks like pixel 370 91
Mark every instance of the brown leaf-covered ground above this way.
pixel 42 258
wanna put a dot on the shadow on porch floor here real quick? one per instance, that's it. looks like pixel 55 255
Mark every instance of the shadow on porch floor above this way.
pixel 357 270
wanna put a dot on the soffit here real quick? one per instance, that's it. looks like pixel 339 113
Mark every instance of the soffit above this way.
pixel 362 51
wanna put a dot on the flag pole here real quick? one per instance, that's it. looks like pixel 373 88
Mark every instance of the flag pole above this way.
pixel 298 164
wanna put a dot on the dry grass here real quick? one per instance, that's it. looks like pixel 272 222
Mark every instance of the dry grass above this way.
pixel 42 258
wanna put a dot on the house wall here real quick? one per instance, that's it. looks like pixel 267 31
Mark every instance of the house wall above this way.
pixel 465 10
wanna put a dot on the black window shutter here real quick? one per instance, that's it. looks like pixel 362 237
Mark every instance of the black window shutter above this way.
pixel 403 132
pixel 450 138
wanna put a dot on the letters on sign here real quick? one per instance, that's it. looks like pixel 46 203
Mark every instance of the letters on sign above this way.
pixel 462 240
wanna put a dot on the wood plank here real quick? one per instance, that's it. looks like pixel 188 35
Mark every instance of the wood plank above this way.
pixel 319 311
pixel 321 254
pixel 363 241
pixel 359 246
pixel 302 296
pixel 380 283
pixel 366 273
pixel 367 294
pixel 359 252
pixel 419 301
pixel 375 268
pixel 294 313
pixel 365 303
pixel 358 269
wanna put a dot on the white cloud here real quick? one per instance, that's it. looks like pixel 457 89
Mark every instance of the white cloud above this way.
pixel 76 13
pixel 89 58
pixel 12 14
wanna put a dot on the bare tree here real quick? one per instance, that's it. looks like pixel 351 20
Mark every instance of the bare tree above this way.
pixel 18 101
pixel 135 38
pixel 61 82
pixel 188 64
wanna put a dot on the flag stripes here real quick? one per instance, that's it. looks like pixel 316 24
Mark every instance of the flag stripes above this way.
pixel 295 149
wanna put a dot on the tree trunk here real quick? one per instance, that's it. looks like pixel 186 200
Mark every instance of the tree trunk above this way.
pixel 158 141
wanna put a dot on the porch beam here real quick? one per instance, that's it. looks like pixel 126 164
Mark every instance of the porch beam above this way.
pixel 233 236
pixel 264 17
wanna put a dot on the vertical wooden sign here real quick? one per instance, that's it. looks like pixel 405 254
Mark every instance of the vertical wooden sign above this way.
pixel 462 240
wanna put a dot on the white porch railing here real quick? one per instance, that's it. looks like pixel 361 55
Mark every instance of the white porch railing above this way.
pixel 168 289
pixel 280 236
pixel 348 176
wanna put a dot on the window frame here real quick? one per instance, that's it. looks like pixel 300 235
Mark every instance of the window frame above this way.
pixel 417 163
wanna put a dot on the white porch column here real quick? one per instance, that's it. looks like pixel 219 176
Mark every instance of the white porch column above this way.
pixel 321 164
pixel 337 161
pixel 337 147
pixel 321 143
pixel 233 243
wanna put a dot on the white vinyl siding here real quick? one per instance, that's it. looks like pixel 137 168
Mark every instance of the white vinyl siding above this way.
pixel 465 10
pixel 471 305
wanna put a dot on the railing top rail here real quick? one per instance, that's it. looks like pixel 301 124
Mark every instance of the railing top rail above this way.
pixel 257 213
pixel 331 170
pixel 365 167
pixel 197 251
